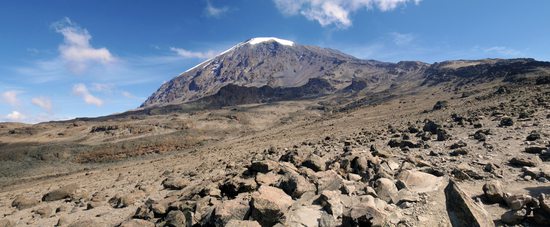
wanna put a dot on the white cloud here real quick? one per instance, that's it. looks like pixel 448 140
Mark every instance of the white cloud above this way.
pixel 213 11
pixel 76 49
pixel 336 12
pixel 82 91
pixel 192 54
pixel 15 116
pixel 502 51
pixel 402 39
pixel 128 95
pixel 10 97
pixel 43 102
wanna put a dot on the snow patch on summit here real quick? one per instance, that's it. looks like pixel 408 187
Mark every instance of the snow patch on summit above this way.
pixel 258 40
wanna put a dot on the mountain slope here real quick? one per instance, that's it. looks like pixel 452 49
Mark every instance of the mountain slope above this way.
pixel 276 63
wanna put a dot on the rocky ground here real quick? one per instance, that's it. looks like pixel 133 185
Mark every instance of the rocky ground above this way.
pixel 471 156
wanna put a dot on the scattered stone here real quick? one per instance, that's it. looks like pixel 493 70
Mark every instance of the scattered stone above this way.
pixel 462 210
pixel 175 218
pixel 175 183
pixel 493 192
pixel 137 223
pixel 442 135
pixel 420 182
pixel 331 203
pixel 458 144
pixel 506 121
pixel 61 193
pixel 235 209
pixel 439 105
pixel 386 190
pixel 533 136
pixel 44 211
pixel 304 216
pixel 23 202
pixel 263 166
pixel 236 185
pixel 513 217
pixel 328 180
pixel 531 161
pixel 534 150
pixel 295 185
pixel 315 163
pixel 459 151
pixel 517 202
pixel 239 223
pixel 269 205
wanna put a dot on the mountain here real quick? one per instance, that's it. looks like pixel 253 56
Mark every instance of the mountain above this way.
pixel 272 69
pixel 275 63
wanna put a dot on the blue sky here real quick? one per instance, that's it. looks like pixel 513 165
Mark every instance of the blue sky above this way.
pixel 62 59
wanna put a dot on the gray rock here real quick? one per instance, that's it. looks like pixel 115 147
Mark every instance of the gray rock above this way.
pixel 269 205
pixel 513 217
pixel 295 185
pixel 315 163
pixel 136 223
pixel 328 180
pixel 44 212
pixel 493 192
pixel 263 166
pixel 386 190
pixel 236 185
pixel 331 203
pixel 420 182
pixel 23 202
pixel 235 209
pixel 175 218
pixel 304 216
pixel 61 193
pixel 175 183
pixel 239 223
pixel 462 210
pixel 517 202
pixel 531 161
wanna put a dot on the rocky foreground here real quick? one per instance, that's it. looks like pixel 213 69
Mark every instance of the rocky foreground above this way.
pixel 476 159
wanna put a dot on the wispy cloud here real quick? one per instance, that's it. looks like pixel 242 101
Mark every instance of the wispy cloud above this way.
pixel 335 12
pixel 76 50
pixel 82 91
pixel 193 54
pixel 43 102
pixel 15 116
pixel 501 50
pixel 213 11
pixel 10 97
pixel 402 39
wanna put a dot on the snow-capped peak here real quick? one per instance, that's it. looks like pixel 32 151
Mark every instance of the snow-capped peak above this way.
pixel 257 40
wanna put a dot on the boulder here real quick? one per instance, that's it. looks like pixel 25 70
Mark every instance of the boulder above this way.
pixel 270 178
pixel 239 223
pixel 367 211
pixel 143 212
pixel 176 218
pixel 263 166
pixel 493 192
pixel 431 126
pixel 232 187
pixel 23 202
pixel 517 202
pixel 531 161
pixel 235 209
pixel 328 180
pixel 420 182
pixel 126 200
pixel 315 163
pixel 513 217
pixel 386 190
pixel 175 183
pixel 136 223
pixel 534 150
pixel 62 193
pixel 269 205
pixel 462 210
pixel 44 212
pixel 87 222
pixel 295 184
pixel 506 121
pixel 331 203
pixel 304 216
